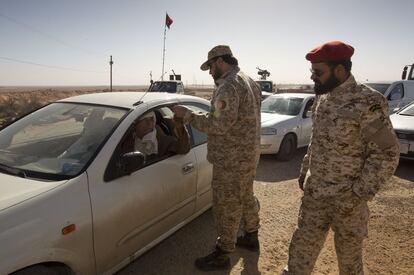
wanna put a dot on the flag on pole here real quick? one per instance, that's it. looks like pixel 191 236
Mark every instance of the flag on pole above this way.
pixel 168 20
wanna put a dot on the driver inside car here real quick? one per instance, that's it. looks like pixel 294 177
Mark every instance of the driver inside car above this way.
pixel 148 137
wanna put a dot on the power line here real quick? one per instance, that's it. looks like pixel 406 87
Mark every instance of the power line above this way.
pixel 51 37
pixel 60 68
pixel 49 66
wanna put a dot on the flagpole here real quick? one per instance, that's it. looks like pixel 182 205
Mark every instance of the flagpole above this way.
pixel 163 50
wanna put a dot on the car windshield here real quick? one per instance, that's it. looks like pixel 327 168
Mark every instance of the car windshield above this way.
pixel 57 141
pixel 380 87
pixel 170 87
pixel 408 111
pixel 282 105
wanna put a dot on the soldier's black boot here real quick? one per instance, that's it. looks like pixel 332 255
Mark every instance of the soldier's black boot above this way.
pixel 249 241
pixel 218 260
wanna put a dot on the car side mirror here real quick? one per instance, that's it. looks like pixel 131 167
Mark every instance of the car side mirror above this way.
pixel 395 110
pixel 131 162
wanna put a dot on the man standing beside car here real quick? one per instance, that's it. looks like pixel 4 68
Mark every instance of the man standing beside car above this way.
pixel 353 152
pixel 233 129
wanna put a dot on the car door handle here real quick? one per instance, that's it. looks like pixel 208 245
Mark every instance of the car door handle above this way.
pixel 188 168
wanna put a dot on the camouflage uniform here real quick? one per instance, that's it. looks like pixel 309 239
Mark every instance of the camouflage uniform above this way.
pixel 353 152
pixel 233 128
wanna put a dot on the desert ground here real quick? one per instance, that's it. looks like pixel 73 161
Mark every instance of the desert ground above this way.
pixel 388 250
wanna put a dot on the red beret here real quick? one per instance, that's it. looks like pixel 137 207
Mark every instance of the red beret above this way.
pixel 330 51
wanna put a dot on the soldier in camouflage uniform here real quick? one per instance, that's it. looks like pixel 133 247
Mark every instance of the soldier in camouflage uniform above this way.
pixel 353 151
pixel 233 129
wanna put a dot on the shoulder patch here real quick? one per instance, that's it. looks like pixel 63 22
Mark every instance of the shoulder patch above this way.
pixel 375 107
pixel 221 104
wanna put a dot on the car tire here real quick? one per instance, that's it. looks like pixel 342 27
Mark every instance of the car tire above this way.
pixel 287 148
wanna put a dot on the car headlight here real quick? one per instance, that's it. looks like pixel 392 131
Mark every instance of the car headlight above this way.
pixel 268 131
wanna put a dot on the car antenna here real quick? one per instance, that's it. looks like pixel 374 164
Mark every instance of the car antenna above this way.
pixel 149 88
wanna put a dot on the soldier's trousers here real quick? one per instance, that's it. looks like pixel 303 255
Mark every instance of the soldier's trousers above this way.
pixel 347 215
pixel 233 201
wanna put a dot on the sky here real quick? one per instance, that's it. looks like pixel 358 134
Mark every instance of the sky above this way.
pixel 69 42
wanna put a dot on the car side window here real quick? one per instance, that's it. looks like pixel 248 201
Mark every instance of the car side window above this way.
pixel 397 92
pixel 198 137
pixel 307 112
pixel 154 146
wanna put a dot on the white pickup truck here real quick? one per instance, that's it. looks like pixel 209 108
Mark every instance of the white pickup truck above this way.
pixel 169 86
pixel 398 93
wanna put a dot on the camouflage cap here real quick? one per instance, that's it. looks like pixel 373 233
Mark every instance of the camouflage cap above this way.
pixel 217 51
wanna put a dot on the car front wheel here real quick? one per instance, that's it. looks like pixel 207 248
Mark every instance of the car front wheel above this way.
pixel 287 148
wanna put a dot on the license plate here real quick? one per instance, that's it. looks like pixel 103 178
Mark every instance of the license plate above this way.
pixel 404 148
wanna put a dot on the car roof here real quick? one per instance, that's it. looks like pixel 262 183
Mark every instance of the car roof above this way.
pixel 126 99
pixel 302 95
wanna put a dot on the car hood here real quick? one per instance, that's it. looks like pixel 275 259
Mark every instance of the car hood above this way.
pixel 14 190
pixel 402 123
pixel 271 119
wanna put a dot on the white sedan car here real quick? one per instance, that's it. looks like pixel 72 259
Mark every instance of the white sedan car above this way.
pixel 286 123
pixel 71 202
pixel 403 123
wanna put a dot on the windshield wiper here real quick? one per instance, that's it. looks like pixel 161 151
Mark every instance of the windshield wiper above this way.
pixel 12 171
pixel 405 114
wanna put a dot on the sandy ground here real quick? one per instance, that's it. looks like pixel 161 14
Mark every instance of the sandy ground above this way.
pixel 388 250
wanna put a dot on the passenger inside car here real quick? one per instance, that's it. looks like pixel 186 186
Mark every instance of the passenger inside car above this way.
pixel 157 138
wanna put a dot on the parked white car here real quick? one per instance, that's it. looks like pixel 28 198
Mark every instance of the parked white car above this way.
pixel 286 123
pixel 71 202
pixel 403 123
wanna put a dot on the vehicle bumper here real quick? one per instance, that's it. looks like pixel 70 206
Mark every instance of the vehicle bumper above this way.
pixel 269 144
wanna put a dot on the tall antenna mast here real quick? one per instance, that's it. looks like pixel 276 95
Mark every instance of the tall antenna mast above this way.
pixel 110 65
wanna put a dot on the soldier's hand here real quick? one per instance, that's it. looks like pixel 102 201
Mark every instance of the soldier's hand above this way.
pixel 301 181
pixel 180 110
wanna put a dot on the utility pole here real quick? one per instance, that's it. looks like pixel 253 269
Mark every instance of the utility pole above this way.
pixel 110 64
